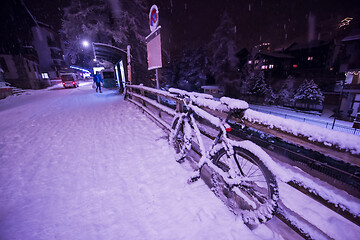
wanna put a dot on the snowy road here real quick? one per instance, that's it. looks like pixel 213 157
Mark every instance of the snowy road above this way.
pixel 79 165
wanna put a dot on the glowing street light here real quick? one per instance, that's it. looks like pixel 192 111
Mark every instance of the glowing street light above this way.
pixel 85 43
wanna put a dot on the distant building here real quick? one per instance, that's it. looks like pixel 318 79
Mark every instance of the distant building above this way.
pixel 22 70
pixel 275 64
pixel 47 45
pixel 29 51
pixel 215 91
pixel 350 102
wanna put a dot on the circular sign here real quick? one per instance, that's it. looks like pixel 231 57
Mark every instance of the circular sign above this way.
pixel 154 17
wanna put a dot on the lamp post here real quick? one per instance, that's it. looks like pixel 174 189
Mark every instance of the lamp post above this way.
pixel 337 113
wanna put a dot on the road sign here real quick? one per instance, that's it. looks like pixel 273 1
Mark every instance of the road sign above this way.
pixel 153 46
pixel 154 18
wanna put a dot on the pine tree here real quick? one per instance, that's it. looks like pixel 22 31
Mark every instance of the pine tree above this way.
pixel 259 88
pixel 189 72
pixel 286 93
pixel 222 49
pixel 309 93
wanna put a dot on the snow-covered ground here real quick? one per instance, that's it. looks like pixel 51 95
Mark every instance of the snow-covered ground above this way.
pixel 79 165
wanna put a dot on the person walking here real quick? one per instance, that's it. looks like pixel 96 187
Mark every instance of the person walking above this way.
pixel 98 80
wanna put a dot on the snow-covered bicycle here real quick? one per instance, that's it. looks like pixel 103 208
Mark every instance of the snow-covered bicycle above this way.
pixel 240 168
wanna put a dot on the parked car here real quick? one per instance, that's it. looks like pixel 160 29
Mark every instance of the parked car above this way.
pixel 69 80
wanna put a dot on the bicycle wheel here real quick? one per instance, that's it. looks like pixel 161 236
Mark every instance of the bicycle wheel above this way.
pixel 256 196
pixel 179 139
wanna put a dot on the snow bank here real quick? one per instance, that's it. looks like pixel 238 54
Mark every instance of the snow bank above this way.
pixel 343 141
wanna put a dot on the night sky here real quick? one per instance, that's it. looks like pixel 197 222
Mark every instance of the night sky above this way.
pixel 192 22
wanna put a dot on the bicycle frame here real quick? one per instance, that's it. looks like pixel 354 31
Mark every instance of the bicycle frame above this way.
pixel 188 118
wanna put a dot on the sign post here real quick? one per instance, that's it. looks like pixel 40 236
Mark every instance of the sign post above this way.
pixel 153 43
pixel 129 63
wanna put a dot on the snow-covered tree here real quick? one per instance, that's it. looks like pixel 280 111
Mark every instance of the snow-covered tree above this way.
pixel 189 72
pixel 259 88
pixel 222 50
pixel 309 93
pixel 115 22
pixel 286 93
pixel 85 21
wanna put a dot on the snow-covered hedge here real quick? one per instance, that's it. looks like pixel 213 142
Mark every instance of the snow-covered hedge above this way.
pixel 328 137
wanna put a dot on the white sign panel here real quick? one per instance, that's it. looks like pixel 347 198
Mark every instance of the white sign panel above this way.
pixel 154 51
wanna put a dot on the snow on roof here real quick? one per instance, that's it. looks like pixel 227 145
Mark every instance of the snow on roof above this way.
pixel 210 87
pixel 301 46
pixel 355 35
pixel 276 54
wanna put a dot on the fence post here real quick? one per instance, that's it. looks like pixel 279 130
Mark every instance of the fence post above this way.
pixel 179 106
pixel 142 92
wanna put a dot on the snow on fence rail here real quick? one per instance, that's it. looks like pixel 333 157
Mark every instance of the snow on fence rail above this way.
pixel 325 124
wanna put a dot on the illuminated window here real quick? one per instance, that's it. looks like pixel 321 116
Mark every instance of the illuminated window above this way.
pixel 310 58
pixel 249 62
pixel 264 67
pixel 256 61
pixel 345 22
pixel 271 66
pixel 45 75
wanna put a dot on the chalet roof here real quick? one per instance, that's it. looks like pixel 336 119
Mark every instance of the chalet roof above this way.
pixel 276 54
pixel 355 35
pixel 43 24
pixel 309 45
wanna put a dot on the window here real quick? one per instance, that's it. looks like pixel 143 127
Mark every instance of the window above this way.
pixel 310 58
pixel 271 66
pixel 45 75
pixel 3 64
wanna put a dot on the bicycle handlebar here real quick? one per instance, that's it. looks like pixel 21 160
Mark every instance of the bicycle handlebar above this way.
pixel 183 93
pixel 236 107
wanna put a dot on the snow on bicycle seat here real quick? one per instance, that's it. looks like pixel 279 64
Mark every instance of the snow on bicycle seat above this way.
pixel 234 104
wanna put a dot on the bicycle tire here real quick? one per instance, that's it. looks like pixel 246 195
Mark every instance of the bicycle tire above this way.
pixel 179 140
pixel 257 203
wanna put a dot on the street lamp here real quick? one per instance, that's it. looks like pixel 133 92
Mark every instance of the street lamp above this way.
pixel 85 43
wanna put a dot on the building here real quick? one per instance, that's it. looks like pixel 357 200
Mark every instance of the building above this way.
pixel 213 90
pixel 29 50
pixel 47 45
pixel 22 71
pixel 350 87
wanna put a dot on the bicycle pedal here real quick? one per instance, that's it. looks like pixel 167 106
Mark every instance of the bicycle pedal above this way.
pixel 181 160
pixel 193 179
